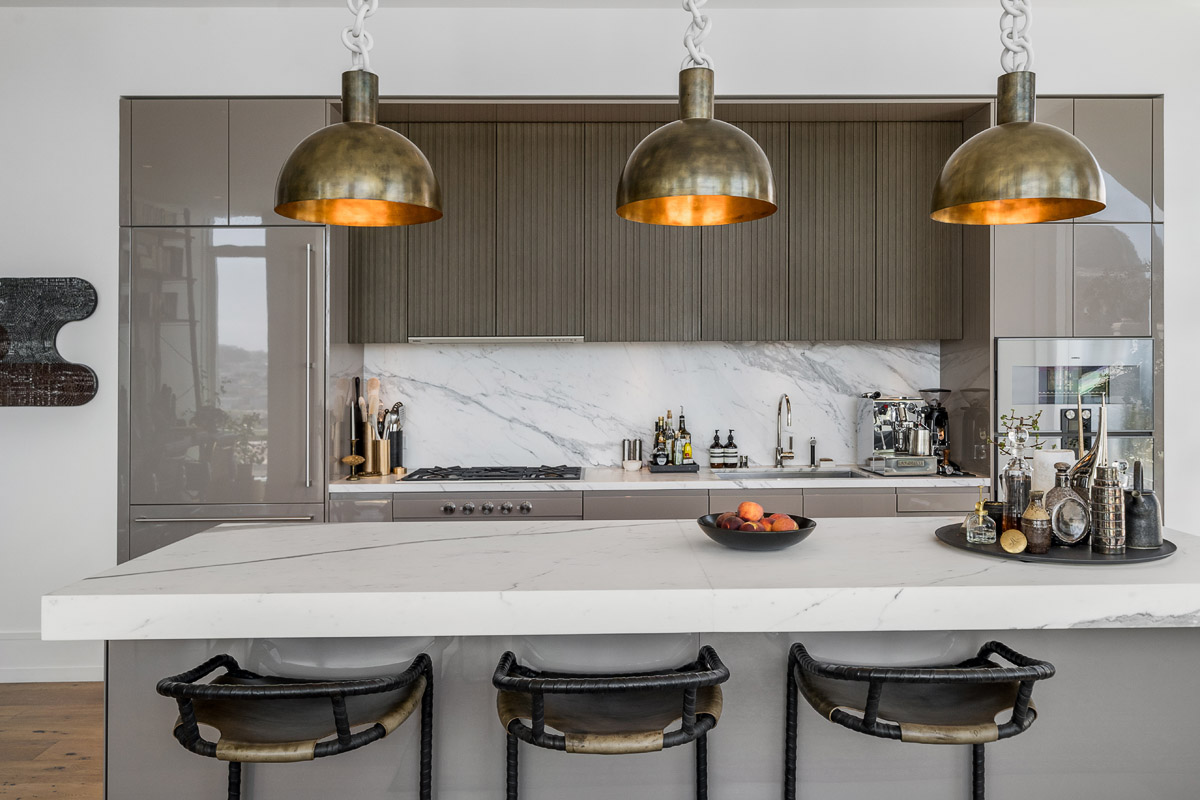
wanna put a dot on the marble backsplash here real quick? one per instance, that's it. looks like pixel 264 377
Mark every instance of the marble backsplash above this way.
pixel 574 403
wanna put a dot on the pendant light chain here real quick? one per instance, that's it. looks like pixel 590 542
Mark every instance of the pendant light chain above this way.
pixel 1014 35
pixel 357 40
pixel 697 32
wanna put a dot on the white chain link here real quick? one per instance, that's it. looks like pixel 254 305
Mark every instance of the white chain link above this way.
pixel 1014 35
pixel 356 39
pixel 697 32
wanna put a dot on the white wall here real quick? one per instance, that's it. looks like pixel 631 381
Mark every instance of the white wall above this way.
pixel 62 70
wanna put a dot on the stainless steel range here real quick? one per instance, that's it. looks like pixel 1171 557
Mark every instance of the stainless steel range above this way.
pixel 476 503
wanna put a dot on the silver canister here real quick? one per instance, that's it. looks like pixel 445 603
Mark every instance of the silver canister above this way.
pixel 637 449
pixel 626 450
pixel 1108 511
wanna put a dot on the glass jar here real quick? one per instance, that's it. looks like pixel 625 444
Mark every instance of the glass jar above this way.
pixel 1070 519
pixel 1017 479
pixel 981 529
pixel 1035 524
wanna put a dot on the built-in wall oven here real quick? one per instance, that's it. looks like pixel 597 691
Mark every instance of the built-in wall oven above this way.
pixel 1048 375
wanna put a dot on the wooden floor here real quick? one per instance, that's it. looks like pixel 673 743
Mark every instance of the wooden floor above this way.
pixel 51 741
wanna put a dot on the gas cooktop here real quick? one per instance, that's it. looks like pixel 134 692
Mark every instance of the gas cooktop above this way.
pixel 542 473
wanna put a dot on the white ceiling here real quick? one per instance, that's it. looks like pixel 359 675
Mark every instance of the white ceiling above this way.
pixel 587 3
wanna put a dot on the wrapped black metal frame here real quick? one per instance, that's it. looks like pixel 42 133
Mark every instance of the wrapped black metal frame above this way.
pixel 979 670
pixel 185 689
pixel 706 671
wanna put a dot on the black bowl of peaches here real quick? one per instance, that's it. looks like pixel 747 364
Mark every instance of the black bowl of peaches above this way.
pixel 752 528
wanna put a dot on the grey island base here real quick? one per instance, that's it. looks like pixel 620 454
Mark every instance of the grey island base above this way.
pixel 1119 719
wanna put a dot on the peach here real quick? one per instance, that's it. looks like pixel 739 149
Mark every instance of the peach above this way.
pixel 724 516
pixel 771 520
pixel 751 512
pixel 731 523
pixel 753 526
pixel 785 524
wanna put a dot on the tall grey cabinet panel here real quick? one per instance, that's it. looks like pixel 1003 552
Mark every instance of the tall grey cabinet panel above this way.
pixel 539 229
pixel 262 134
pixel 225 372
pixel 918 288
pixel 832 230
pixel 179 162
pixel 1057 111
pixel 452 262
pixel 1119 132
pixel 641 282
pixel 1034 268
pixel 1157 162
pixel 745 266
pixel 1113 280
pixel 378 284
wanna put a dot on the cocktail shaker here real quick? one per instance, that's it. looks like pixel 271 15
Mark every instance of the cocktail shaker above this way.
pixel 1108 511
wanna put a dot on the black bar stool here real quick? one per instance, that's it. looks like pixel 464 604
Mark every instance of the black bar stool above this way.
pixel 610 714
pixel 278 720
pixel 942 704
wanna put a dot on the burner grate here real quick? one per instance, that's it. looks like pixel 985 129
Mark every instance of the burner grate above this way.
pixel 561 472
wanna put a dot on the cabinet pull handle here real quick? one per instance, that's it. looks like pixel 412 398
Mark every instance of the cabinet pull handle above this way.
pixel 224 519
pixel 308 249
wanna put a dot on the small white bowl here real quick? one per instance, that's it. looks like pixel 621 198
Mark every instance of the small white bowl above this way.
pixel 631 466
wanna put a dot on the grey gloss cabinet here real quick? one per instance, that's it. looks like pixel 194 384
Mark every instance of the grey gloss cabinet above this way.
pixel 918 287
pixel 179 162
pixel 539 229
pixel 633 272
pixel 262 134
pixel 226 373
pixel 360 507
pixel 745 266
pixel 452 262
pixel 649 504
pixel 865 502
pixel 1034 267
pixel 152 527
pixel 1120 134
pixel 1112 280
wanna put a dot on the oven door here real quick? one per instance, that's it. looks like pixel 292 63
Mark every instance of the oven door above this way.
pixel 1046 375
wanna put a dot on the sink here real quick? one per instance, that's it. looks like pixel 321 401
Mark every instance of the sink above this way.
pixel 787 474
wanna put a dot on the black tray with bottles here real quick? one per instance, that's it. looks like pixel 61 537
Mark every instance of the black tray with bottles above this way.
pixel 955 536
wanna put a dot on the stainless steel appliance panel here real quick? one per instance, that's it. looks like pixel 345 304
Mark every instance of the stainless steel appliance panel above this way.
pixel 485 505
pixel 1044 375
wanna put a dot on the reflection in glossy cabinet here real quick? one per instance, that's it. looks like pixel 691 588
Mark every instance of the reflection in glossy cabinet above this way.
pixel 1119 132
pixel 152 527
pixel 262 134
pixel 1112 280
pixel 1034 280
pixel 224 390
pixel 179 162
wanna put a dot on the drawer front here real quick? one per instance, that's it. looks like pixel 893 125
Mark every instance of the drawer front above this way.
pixel 356 507
pixel 773 501
pixel 935 501
pixel 685 504
pixel 829 503
pixel 152 527
pixel 472 505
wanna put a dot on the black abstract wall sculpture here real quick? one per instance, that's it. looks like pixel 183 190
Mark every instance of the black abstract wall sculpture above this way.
pixel 32 310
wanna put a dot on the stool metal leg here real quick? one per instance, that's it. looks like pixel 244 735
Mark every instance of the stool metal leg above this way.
pixel 702 768
pixel 426 788
pixel 789 735
pixel 977 772
pixel 235 780
pixel 511 769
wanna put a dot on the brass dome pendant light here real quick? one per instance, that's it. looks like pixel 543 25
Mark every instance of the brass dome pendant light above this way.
pixel 697 170
pixel 357 172
pixel 1019 171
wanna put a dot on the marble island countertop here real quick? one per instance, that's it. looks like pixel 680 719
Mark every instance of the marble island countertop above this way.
pixel 527 577
pixel 615 479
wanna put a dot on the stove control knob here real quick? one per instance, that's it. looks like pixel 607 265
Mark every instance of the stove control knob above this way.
pixel 526 507
pixel 448 508
pixel 506 508
pixel 468 508
pixel 487 508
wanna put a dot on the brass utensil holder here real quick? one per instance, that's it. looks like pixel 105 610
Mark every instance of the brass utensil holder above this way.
pixel 381 456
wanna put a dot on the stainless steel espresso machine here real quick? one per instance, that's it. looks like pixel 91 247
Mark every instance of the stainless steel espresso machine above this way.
pixel 893 437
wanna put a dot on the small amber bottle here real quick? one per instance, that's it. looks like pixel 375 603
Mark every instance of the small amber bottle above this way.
pixel 1035 524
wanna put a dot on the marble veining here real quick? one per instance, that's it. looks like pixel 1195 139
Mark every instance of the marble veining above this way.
pixel 574 403
pixel 531 577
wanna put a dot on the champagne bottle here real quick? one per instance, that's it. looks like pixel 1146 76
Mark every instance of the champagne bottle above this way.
pixel 670 434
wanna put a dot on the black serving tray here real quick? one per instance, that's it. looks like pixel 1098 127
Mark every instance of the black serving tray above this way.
pixel 955 536
pixel 675 468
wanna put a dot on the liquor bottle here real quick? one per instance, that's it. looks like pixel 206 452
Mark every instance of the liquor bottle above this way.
pixel 731 451
pixel 716 452
pixel 1035 524
pixel 659 456
pixel 683 442
pixel 660 441
pixel 670 434
pixel 1017 479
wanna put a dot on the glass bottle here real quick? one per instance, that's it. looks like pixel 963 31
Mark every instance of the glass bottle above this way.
pixel 1035 524
pixel 683 441
pixel 716 452
pixel 1069 515
pixel 1017 479
pixel 981 529
pixel 731 452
